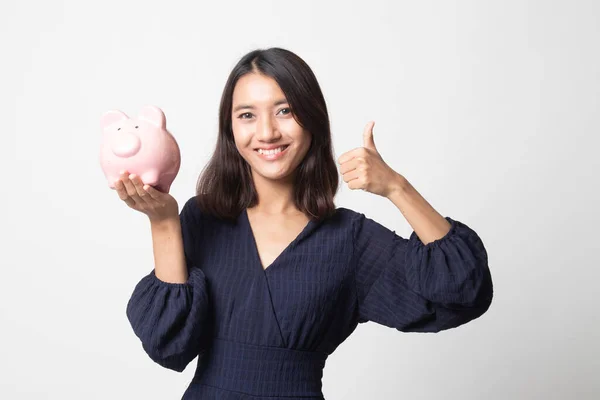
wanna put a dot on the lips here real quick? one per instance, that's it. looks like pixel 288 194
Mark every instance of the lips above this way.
pixel 272 147
pixel 272 156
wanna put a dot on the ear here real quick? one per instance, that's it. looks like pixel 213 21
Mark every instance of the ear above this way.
pixel 111 117
pixel 154 115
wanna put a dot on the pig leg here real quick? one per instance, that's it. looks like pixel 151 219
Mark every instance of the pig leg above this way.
pixel 150 177
pixel 111 180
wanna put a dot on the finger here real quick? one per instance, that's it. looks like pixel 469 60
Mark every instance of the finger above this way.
pixel 356 184
pixel 349 165
pixel 368 140
pixel 155 194
pixel 120 187
pixel 349 155
pixel 131 189
pixel 139 188
pixel 350 176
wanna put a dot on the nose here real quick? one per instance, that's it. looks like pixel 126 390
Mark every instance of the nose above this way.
pixel 266 130
pixel 125 145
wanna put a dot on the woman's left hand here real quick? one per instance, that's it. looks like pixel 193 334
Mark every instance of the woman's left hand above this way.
pixel 363 168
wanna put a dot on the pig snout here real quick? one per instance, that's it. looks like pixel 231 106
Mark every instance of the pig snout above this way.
pixel 126 145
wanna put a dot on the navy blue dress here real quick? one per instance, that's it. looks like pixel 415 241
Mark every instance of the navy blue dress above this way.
pixel 266 334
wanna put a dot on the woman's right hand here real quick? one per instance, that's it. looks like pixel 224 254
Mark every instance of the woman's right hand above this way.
pixel 157 205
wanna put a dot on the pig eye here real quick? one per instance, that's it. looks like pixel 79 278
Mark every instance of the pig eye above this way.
pixel 119 129
pixel 136 127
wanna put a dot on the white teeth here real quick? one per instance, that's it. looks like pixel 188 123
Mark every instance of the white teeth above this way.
pixel 271 152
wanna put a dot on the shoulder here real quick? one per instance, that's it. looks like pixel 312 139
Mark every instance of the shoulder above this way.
pixel 192 213
pixel 190 209
pixel 364 227
pixel 343 219
pixel 343 212
pixel 347 215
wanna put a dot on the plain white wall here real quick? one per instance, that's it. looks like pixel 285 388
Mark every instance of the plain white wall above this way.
pixel 490 109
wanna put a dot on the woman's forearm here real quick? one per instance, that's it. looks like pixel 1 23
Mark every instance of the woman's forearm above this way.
pixel 169 258
pixel 427 223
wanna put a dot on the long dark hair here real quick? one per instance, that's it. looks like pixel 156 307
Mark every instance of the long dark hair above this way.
pixel 225 186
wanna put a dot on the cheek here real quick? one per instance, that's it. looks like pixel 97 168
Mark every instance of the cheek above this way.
pixel 306 140
pixel 291 129
pixel 241 135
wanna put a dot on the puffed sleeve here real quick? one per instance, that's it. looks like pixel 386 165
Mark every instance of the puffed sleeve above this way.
pixel 413 287
pixel 169 318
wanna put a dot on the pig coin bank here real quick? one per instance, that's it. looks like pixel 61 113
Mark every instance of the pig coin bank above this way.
pixel 142 146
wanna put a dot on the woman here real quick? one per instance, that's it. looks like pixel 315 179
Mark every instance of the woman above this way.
pixel 261 276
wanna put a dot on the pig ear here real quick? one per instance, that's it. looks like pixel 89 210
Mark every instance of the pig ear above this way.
pixel 111 117
pixel 154 115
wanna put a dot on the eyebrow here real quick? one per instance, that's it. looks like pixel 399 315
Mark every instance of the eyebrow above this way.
pixel 243 106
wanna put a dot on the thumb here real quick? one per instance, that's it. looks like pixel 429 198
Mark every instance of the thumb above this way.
pixel 368 140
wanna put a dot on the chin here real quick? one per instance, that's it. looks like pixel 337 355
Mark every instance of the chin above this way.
pixel 274 176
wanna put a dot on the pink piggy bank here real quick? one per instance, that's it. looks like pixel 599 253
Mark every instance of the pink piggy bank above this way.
pixel 142 146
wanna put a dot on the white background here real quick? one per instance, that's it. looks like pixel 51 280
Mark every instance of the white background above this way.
pixel 490 109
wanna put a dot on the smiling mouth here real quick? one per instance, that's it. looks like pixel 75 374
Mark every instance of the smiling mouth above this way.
pixel 272 151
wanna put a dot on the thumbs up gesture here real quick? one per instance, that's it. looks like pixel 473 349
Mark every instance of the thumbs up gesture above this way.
pixel 364 168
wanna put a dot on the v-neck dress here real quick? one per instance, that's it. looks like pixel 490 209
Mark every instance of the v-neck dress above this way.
pixel 265 334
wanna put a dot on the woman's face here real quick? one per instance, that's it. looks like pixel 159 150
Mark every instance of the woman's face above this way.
pixel 261 119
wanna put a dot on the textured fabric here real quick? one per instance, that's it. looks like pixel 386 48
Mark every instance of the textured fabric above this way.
pixel 266 334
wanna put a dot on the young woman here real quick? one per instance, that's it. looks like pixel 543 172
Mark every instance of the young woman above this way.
pixel 261 276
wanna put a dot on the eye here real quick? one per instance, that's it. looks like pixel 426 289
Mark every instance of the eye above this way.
pixel 288 110
pixel 241 116
pixel 119 129
pixel 136 127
